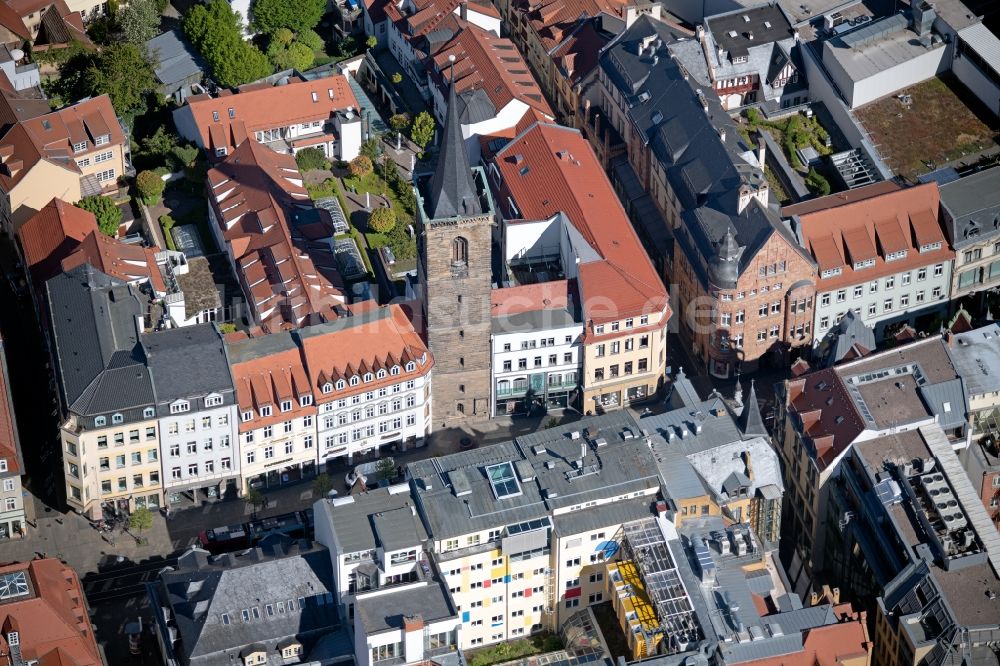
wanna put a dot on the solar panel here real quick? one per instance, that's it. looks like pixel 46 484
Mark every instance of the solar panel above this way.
pixel 13 585
pixel 503 480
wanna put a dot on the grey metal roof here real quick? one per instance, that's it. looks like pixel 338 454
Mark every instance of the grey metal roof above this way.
pixel 188 362
pixel 972 205
pixel 176 62
pixel 622 464
pixel 596 517
pixel 668 110
pixel 95 323
pixel 750 422
pixel 946 400
pixel 250 349
pixel 976 356
pixel 476 106
pixel 452 188
pixel 200 591
pixel 383 612
pixel 851 330
pixel 352 518
pixel 740 31
pixel 535 320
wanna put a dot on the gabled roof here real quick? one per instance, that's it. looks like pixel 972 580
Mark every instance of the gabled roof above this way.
pixel 550 169
pixel 12 21
pixel 80 124
pixel 224 121
pixel 491 64
pixel 95 320
pixel 60 26
pixel 452 189
pixel 266 371
pixel 682 121
pixel 375 340
pixel 869 229
pixel 51 617
pixel 17 105
pixel 124 261
pixel 51 235
pixel 553 20
pixel 258 196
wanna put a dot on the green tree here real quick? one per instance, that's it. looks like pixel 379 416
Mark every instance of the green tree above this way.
pixel 422 130
pixel 399 122
pixel 216 31
pixel 382 220
pixel 360 166
pixel 140 520
pixel 818 183
pixel 227 328
pixel 139 21
pixel 401 244
pixel 371 42
pixel 385 469
pixel 184 155
pixel 255 499
pixel 159 144
pixel 108 215
pixel 371 149
pixel 322 484
pixel 123 73
pixel 150 187
pixel 310 38
pixel 296 15
pixel 283 36
pixel 310 159
pixel 294 56
pixel 396 78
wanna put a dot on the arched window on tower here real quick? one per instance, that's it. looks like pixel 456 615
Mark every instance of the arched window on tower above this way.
pixel 459 256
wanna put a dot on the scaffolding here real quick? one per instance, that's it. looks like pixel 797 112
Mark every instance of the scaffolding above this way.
pixel 644 544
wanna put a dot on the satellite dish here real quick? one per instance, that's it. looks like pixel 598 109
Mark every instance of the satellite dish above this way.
pixel 16 54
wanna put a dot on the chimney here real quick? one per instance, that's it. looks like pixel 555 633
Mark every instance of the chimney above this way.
pixel 749 465
pixel 699 32
pixel 413 622
pixel 463 10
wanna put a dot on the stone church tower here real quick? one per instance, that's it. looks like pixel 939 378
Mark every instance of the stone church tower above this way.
pixel 455 220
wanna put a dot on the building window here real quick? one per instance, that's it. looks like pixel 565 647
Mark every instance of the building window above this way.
pixel 459 253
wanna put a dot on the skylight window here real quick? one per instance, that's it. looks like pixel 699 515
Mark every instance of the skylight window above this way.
pixel 503 480
pixel 13 585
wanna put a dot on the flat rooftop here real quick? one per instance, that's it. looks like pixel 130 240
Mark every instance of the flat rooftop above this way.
pixel 976 354
pixel 383 516
pixel 866 61
pixel 385 612
pixel 803 11
pixel 966 590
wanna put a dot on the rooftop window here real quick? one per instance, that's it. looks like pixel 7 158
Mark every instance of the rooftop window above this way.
pixel 503 480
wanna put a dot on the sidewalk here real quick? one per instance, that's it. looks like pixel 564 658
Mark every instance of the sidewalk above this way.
pixel 70 538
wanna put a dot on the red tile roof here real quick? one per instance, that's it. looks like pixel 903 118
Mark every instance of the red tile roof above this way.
pixel 254 193
pixel 51 620
pixel 373 341
pixel 11 19
pixel 491 63
pixel 126 262
pixel 9 449
pixel 552 295
pixel 826 413
pixel 577 56
pixel 261 106
pixel 550 169
pixel 51 235
pixel 552 20
pixel 267 380
pixel 871 227
pixel 81 123
pixel 828 645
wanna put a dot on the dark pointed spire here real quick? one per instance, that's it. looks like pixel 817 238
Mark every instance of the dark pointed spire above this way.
pixel 453 190
pixel 750 422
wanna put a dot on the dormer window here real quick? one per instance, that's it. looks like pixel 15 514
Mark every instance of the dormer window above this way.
pixel 394 370
pixel 286 405
pixel 896 256
pixel 381 374
pixel 213 400
pixel 930 247
pixel 13 639
pixel 102 140
pixel 831 272
pixel 3 464
pixel 117 418
pixel 80 147
pixel 341 384
pixel 858 265
pixel 100 421
pixel 247 416
pixel 305 401
pixel 369 377
pixel 220 152
pixel 215 116
pixel 180 407
pixel 232 113
pixel 355 381
pixel 265 410
pixel 411 366
pixel 148 413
